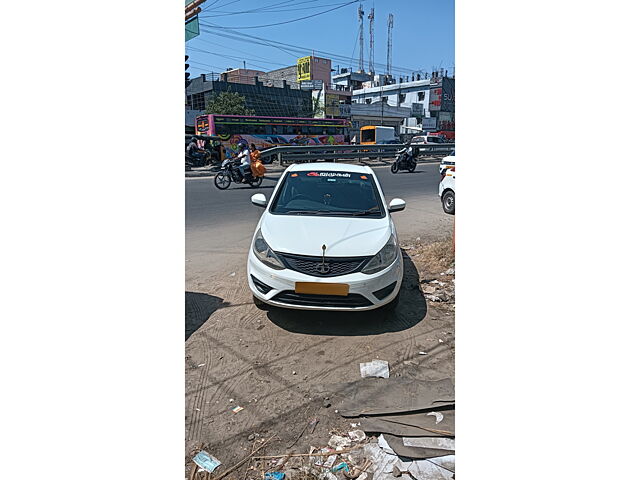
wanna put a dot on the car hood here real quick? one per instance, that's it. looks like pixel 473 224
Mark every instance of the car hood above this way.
pixel 344 237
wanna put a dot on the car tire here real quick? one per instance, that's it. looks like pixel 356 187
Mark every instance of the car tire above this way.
pixel 449 202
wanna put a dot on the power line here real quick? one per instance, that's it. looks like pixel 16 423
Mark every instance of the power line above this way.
pixel 245 37
pixel 288 21
pixel 227 14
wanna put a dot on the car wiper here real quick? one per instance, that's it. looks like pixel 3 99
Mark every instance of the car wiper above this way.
pixel 371 211
pixel 306 212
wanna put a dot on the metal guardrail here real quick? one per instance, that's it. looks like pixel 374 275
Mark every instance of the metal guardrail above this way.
pixel 298 154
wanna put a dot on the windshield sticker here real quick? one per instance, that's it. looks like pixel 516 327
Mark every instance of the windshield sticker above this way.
pixel 328 174
pixel 363 177
pixel 294 174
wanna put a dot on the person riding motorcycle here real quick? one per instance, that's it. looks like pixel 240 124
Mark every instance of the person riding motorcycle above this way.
pixel 194 151
pixel 245 159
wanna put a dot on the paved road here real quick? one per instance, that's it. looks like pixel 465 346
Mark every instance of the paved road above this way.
pixel 220 224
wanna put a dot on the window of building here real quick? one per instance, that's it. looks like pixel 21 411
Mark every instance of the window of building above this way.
pixel 317 61
pixel 324 61
pixel 420 96
pixel 384 99
pixel 402 97
pixel 368 100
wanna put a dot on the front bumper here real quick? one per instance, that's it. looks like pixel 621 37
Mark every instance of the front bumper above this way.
pixel 361 287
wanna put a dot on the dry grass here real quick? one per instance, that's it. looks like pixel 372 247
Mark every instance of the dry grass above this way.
pixel 433 258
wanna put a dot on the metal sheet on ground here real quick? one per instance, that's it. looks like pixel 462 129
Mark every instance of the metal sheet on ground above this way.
pixel 413 424
pixel 372 396
pixel 398 445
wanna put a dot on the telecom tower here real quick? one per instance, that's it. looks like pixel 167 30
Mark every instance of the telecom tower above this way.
pixel 371 68
pixel 389 28
pixel 361 33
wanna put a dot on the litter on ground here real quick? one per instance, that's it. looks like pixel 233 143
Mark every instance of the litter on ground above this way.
pixel 375 368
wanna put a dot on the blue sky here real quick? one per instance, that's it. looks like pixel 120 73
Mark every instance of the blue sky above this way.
pixel 423 34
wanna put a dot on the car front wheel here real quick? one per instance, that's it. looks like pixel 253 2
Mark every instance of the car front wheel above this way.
pixel 449 202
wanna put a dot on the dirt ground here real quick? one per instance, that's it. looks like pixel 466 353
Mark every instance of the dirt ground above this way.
pixel 286 367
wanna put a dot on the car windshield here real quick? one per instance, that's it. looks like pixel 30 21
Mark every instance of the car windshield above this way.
pixel 330 194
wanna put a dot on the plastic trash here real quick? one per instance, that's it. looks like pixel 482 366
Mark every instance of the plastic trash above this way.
pixel 375 368
pixel 206 461
pixel 341 466
pixel 274 476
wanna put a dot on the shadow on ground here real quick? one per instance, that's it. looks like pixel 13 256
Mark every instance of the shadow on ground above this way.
pixel 198 307
pixel 411 310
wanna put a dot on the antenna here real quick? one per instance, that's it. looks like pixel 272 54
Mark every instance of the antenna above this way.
pixel 370 17
pixel 361 34
pixel 389 28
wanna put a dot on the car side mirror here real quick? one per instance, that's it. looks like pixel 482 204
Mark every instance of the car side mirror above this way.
pixel 396 205
pixel 259 200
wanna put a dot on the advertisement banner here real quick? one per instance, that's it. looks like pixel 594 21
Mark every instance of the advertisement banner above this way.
pixel 331 105
pixel 304 69
pixel 311 85
pixel 435 99
pixel 417 110
pixel 448 95
pixel 429 123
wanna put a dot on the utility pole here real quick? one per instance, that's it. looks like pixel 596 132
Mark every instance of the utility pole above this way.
pixel 361 34
pixel 371 56
pixel 389 28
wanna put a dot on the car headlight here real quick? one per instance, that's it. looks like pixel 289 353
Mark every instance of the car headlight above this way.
pixel 264 253
pixel 383 258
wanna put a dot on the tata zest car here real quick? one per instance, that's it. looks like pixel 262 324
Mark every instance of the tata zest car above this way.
pixel 326 241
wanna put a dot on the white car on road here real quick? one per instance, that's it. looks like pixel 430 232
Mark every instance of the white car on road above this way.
pixel 326 241
pixel 447 190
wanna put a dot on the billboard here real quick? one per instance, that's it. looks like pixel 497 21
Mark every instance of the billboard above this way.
pixel 331 105
pixel 191 29
pixel 417 110
pixel 311 85
pixel 429 123
pixel 448 95
pixel 435 99
pixel 304 69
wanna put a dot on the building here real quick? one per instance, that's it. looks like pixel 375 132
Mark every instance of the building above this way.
pixel 266 101
pixel 351 80
pixel 241 75
pixel 431 101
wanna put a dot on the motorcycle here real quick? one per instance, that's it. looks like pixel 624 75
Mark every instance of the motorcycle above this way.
pixel 404 161
pixel 231 173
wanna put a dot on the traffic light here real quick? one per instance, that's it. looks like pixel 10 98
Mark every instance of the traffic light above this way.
pixel 186 74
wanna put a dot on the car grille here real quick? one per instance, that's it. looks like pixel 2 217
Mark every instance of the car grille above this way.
pixel 336 265
pixel 290 297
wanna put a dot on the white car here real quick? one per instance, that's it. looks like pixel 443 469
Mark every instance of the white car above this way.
pixel 447 190
pixel 448 162
pixel 326 241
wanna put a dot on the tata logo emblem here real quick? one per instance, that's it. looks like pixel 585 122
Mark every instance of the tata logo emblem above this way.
pixel 324 267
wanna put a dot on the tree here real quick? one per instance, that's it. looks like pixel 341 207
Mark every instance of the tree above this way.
pixel 228 103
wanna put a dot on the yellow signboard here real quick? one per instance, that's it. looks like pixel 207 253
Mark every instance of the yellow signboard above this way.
pixel 304 68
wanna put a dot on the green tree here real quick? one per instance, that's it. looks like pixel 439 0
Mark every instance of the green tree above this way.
pixel 228 103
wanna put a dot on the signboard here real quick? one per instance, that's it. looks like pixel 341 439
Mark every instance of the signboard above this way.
pixel 429 123
pixel 311 85
pixel 331 105
pixel 191 29
pixel 417 110
pixel 345 110
pixel 435 99
pixel 304 69
pixel 448 95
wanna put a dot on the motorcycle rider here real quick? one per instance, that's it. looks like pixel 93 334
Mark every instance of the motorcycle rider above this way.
pixel 194 151
pixel 245 159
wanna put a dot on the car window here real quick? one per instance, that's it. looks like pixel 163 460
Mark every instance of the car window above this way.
pixel 328 194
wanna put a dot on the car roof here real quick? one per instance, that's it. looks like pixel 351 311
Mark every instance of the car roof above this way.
pixel 329 167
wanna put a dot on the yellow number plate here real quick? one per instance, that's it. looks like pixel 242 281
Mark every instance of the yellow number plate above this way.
pixel 315 288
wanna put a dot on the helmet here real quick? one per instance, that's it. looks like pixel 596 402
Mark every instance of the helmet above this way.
pixel 242 145
pixel 194 139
